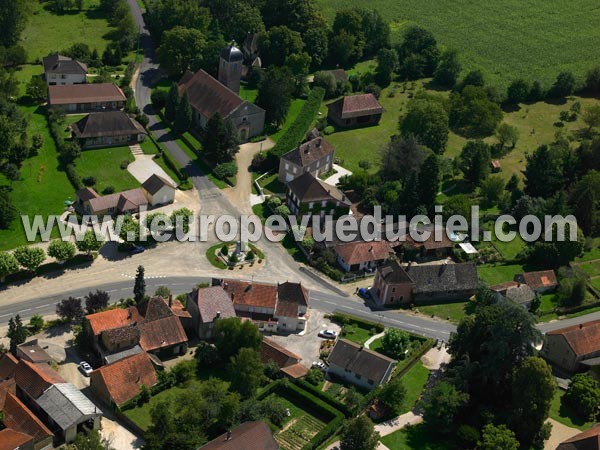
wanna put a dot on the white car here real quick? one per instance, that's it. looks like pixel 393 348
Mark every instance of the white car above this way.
pixel 85 368
pixel 319 365
pixel 328 334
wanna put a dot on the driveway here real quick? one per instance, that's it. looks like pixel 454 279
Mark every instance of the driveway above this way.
pixel 144 167
pixel 335 178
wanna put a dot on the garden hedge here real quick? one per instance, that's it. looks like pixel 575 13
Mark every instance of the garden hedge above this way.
pixel 344 319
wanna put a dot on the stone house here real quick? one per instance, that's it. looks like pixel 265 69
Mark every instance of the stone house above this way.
pixel 88 201
pixel 310 196
pixel 81 98
pixel 541 281
pixel 362 256
pixel 355 111
pixel 207 305
pixel 315 156
pixel 573 348
pixel 106 129
pixel 61 70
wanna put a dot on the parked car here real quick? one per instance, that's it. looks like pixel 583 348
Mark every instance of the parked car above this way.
pixel 137 249
pixel 85 368
pixel 319 365
pixel 364 293
pixel 328 334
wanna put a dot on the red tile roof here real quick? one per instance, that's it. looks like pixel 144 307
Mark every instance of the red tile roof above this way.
pixel 247 436
pixel 356 105
pixel 290 297
pixel 177 308
pixel 540 280
pixel 85 93
pixel 583 338
pixel 12 440
pixel 113 318
pixel 161 333
pixel 588 440
pixel 8 365
pixel 18 417
pixel 250 293
pixel 36 378
pixel 503 286
pixel 124 378
pixel 207 95
pixel 358 252
pixel 295 371
pixel 271 351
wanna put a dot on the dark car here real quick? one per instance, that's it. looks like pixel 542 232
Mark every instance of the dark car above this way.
pixel 364 293
pixel 137 249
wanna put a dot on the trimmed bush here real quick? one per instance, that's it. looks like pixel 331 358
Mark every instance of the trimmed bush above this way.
pixel 346 319
pixel 328 130
pixel 226 170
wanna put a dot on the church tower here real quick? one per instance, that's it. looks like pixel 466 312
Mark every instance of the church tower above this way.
pixel 230 67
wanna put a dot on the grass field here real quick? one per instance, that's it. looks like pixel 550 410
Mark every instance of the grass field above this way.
pixel 534 40
pixel 47 32
pixel 414 381
pixel 356 334
pixel 104 165
pixel 447 311
pixel 498 273
pixel 43 188
pixel 413 438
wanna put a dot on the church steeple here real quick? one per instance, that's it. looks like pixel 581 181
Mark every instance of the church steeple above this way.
pixel 230 67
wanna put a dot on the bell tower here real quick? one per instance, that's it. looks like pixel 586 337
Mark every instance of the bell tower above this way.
pixel 230 67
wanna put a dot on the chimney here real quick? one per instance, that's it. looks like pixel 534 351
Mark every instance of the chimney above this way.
pixel 228 435
pixel 370 249
pixel 580 326
pixel 218 316
pixel 170 300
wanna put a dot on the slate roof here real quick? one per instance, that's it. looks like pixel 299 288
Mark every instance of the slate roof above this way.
pixel 231 53
pixel 247 436
pixel 66 405
pixel 8 366
pixel 121 201
pixel 502 287
pixel 34 353
pixel 56 63
pixel 116 356
pixel 393 273
pixel 18 417
pixel 107 123
pixel 154 308
pixel 356 106
pixel 271 351
pixel 588 440
pixel 35 378
pixel 309 152
pixel 86 194
pixel 360 360
pixel 12 440
pixel 155 183
pixel 542 279
pixel 85 93
pixel 290 297
pixel 310 189
pixel 583 338
pixel 213 300
pixel 522 294
pixel 439 278
pixel 207 95
pixel 251 293
pixel 124 378
pixel 358 252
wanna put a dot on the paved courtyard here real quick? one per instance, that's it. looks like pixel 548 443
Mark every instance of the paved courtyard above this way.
pixel 144 167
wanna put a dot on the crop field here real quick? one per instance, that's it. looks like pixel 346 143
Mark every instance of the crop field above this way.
pixel 508 39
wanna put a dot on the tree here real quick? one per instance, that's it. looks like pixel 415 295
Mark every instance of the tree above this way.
pixel 232 334
pixel 391 395
pixel 172 103
pixel 473 78
pixel 181 219
pixel 96 301
pixel 36 323
pixel 91 440
pixel 277 44
pixel 8 265
pixel 491 190
pixel 17 333
pixel 475 161
pixel 70 309
pixel 441 407
pixel 592 80
pixel 246 372
pixel 299 63
pixel 496 437
pixel 316 41
pixel 583 395
pixel 472 113
pixel 517 92
pixel 395 343
pixel 181 49
pixel 275 93
pixel 537 92
pixel 418 53
pixel 348 25
pixel 543 172
pixel 37 89
pixel 387 64
pixel 402 156
pixel 13 18
pixel 8 212
pixel 183 115
pixel 314 376
pixel 345 48
pixel 428 122
pixel 507 136
pixel 586 202
pixel 563 86
pixel 162 291
pixel 359 434
pixel 591 117
pixel 327 81
pixel 220 141
pixel 91 242
pixel 139 288
pixel 448 69
pixel 61 250
pixel 30 257
pixel 429 182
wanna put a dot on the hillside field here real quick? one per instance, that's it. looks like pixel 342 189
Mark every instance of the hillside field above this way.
pixel 534 40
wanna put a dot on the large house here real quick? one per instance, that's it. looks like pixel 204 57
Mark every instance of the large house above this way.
pixel 362 256
pixel 278 307
pixel 119 382
pixel 247 436
pixel 61 70
pixel 573 348
pixel 152 325
pixel 206 306
pixel 587 440
pixel 207 97
pixel 355 111
pixel 541 281
pixel 107 129
pixel 315 155
pixel 402 284
pixel 359 365
pixel 519 293
pixel 88 201
pixel 80 98
pixel 310 196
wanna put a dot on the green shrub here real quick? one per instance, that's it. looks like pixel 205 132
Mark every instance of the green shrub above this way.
pixel 346 319
pixel 226 170
pixel 328 130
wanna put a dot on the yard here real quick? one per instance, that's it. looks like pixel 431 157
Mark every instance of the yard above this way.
pixel 498 273
pixel 506 40
pixel 414 381
pixel 413 438
pixel 141 414
pixel 453 312
pixel 563 414
pixel 105 165
pixel 43 187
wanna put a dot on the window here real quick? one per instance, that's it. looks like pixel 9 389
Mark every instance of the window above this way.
pixel 287 166
pixel 310 205
pixel 324 203
pixel 393 289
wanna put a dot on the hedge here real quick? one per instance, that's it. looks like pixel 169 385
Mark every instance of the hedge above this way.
pixel 334 402
pixel 403 366
pixel 297 130
pixel 342 319
pixel 73 176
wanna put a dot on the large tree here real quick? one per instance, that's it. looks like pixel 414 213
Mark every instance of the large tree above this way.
pixel 442 406
pixel 17 333
pixel 8 265
pixel 275 93
pixel 448 69
pixel 543 172
pixel 359 434
pixel 246 372
pixel 429 182
pixel 475 159
pixel 96 301
pixel 13 18
pixel 30 257
pixel 428 122
pixel 517 91
pixel 181 49
pixel 472 113
pixel 70 309
pixel 220 139
pixel 497 437
pixel 583 396
pixel 61 250
pixel 183 115
pixel 232 334
pixel 277 44
pixel 139 288
pixel 391 396
pixel 401 157
pixel 91 242
pixel 586 202
pixel 418 53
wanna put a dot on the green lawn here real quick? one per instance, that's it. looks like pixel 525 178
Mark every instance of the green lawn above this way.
pixel 141 414
pixel 248 94
pixel 414 381
pixel 43 188
pixel 356 334
pixel 498 273
pixel 453 312
pixel 563 414
pixel 271 184
pixel 48 32
pixel 507 40
pixel 104 165
pixel 24 74
pixel 293 112
pixel 413 438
